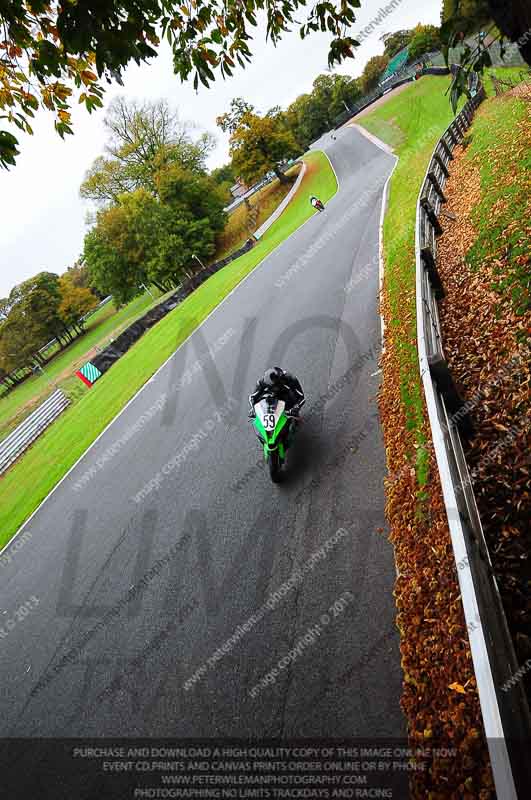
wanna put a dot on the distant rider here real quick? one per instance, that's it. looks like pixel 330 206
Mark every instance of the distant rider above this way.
pixel 316 203
pixel 281 385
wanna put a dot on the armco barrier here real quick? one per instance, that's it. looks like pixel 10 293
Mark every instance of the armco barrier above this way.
pixel 25 434
pixel 506 717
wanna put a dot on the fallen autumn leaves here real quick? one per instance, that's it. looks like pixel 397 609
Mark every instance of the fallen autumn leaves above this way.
pixel 486 320
pixel 439 696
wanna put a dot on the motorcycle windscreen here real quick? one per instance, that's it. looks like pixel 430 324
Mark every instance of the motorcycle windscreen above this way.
pixel 268 416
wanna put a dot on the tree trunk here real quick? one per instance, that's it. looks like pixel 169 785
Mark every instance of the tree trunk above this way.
pixel 514 20
pixel 60 338
pixel 280 175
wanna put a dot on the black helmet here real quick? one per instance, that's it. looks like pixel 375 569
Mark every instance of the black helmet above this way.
pixel 273 375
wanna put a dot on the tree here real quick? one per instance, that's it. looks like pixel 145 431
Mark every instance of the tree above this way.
pixel 112 252
pixel 224 174
pixel 16 347
pixel 311 115
pixel 78 275
pixel 425 39
pixel 306 120
pixel 76 301
pixel 143 138
pixel 51 49
pixel 35 303
pixel 33 319
pixel 476 11
pixel 372 72
pixel 258 145
pixel 394 42
pixel 464 17
pixel 230 120
pixel 224 177
pixel 150 238
pixel 192 196
pixel 345 92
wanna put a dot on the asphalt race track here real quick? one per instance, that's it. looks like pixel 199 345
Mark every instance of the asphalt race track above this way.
pixel 209 538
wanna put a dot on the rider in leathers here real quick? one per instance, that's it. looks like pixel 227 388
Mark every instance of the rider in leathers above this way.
pixel 283 386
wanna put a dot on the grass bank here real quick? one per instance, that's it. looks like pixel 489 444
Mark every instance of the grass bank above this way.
pixel 244 221
pixel 411 123
pixel 26 484
pixel 101 327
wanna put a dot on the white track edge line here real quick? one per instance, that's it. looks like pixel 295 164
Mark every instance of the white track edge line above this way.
pixel 381 261
pixel 372 138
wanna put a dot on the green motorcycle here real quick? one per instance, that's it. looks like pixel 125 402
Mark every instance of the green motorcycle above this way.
pixel 275 427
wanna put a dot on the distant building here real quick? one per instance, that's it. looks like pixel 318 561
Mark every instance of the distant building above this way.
pixel 396 64
pixel 239 188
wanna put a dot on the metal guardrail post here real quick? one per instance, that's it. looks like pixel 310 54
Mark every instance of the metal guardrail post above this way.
pixel 442 165
pixel 432 216
pixel 444 145
pixel 436 185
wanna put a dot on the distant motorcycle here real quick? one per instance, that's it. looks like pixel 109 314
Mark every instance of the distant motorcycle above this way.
pixel 275 428
pixel 316 203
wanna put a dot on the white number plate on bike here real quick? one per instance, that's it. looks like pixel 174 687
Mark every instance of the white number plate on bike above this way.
pixel 269 422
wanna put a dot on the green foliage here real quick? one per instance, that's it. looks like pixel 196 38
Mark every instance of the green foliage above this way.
pixel 143 139
pixel 259 144
pixel 425 39
pixel 79 276
pixel 224 177
pixel 113 252
pixel 76 301
pixel 231 119
pixel 55 46
pixel 311 115
pixel 394 42
pixel 306 119
pixel 38 310
pixel 372 72
pixel 150 239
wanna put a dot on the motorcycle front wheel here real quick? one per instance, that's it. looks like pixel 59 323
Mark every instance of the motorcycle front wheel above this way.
pixel 274 467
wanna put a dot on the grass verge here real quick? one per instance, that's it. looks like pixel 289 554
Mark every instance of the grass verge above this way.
pixel 244 221
pixel 411 123
pixel 103 326
pixel 26 484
